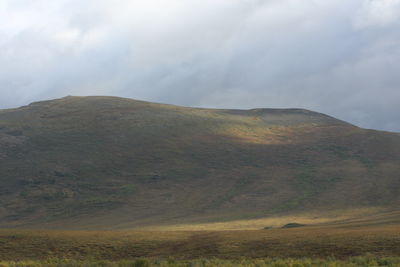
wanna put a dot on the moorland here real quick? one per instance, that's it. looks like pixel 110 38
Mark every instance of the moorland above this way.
pixel 107 181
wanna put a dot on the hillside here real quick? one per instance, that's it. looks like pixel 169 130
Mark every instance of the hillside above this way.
pixel 107 162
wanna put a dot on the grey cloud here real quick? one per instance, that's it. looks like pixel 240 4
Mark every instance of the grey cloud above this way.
pixel 336 57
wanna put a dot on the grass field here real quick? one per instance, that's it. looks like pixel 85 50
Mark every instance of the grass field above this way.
pixel 305 262
pixel 339 241
pixel 376 235
pixel 365 240
pixel 297 247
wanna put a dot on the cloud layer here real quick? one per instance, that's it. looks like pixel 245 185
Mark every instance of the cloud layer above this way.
pixel 336 57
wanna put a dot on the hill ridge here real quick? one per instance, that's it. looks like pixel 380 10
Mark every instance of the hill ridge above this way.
pixel 98 161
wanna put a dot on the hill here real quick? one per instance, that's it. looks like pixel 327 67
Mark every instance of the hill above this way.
pixel 110 163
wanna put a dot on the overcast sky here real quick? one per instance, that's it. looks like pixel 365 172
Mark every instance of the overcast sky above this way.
pixel 340 57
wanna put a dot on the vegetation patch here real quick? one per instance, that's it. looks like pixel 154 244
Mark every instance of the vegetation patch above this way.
pixel 362 261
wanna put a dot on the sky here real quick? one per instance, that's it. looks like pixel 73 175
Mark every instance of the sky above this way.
pixel 339 57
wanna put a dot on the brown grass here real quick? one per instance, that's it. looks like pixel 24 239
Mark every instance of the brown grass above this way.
pixel 341 241
pixel 367 215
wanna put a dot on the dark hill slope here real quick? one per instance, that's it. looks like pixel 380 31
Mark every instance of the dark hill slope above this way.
pixel 105 162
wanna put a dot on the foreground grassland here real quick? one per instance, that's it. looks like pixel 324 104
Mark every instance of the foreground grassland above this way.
pixel 306 262
pixel 337 241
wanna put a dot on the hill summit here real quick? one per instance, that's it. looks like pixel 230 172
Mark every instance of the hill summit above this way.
pixel 109 162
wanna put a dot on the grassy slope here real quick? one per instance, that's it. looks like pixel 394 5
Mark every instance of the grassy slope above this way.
pixel 102 162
